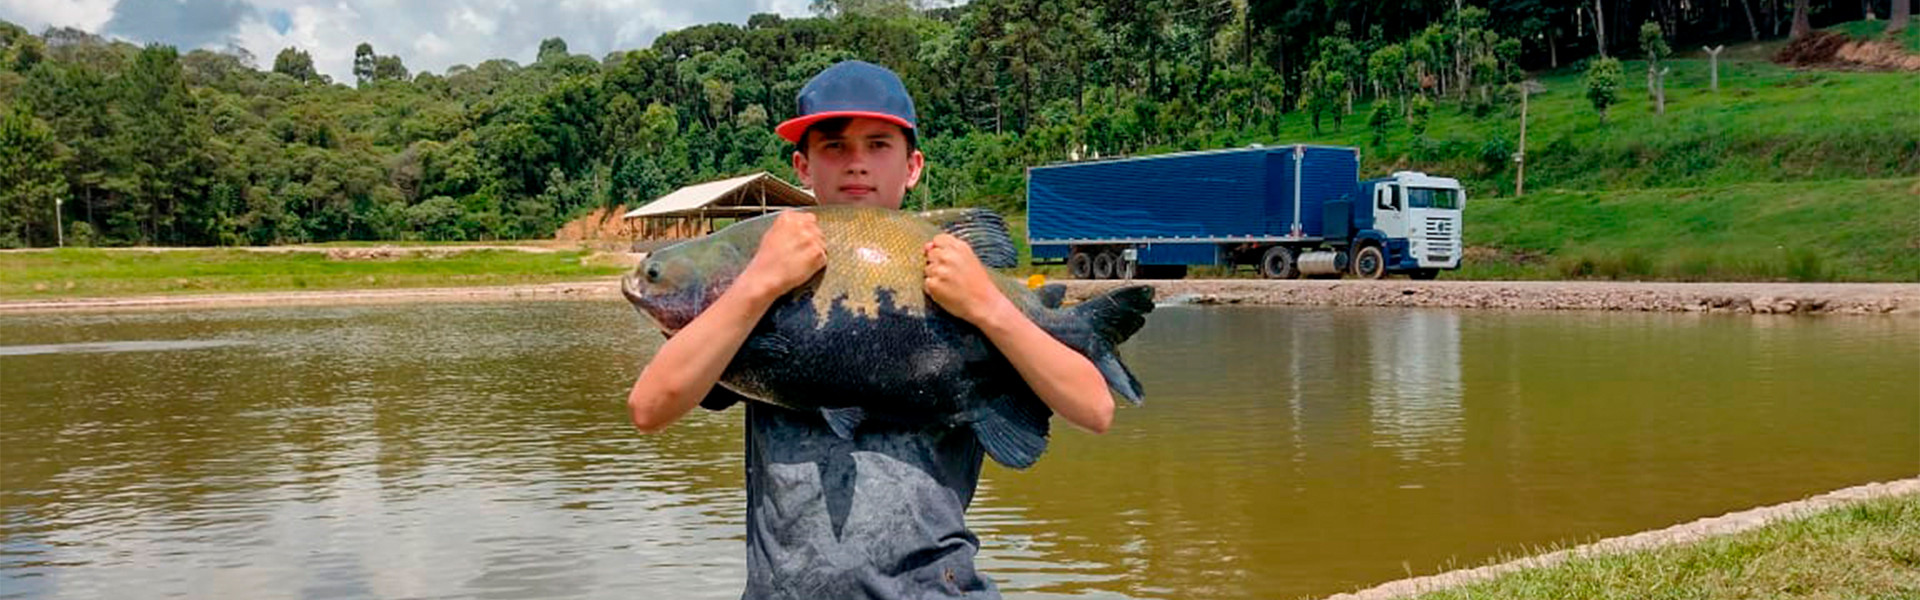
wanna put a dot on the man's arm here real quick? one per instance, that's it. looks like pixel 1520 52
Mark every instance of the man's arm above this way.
pixel 1064 379
pixel 686 367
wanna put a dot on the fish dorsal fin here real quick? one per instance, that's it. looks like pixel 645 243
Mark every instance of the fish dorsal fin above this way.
pixel 982 229
pixel 1052 295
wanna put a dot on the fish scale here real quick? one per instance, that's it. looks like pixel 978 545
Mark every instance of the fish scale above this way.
pixel 862 346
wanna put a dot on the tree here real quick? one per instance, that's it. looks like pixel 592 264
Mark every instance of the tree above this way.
pixel 1418 115
pixel 295 63
pixel 1603 84
pixel 1902 13
pixel 389 68
pixel 363 64
pixel 1380 119
pixel 30 182
pixel 1801 26
pixel 1654 44
pixel 551 49
pixel 165 144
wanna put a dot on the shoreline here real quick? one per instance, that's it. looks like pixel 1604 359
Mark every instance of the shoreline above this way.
pixel 1737 298
pixel 1696 530
pixel 1744 298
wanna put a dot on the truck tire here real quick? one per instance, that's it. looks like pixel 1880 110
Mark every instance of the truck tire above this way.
pixel 1125 269
pixel 1103 264
pixel 1423 274
pixel 1369 263
pixel 1079 265
pixel 1277 263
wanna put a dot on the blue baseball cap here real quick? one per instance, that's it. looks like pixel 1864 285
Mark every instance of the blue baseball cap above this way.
pixel 850 89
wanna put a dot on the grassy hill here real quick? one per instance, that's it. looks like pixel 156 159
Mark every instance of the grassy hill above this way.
pixel 1783 174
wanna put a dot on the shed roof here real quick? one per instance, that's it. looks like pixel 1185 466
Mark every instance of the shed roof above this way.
pixel 744 194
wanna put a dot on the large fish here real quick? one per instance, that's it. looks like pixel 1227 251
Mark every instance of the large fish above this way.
pixel 862 341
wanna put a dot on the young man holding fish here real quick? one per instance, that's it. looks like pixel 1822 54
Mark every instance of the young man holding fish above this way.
pixel 879 515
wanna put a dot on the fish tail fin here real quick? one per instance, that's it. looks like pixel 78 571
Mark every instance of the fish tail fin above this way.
pixel 1014 430
pixel 1115 316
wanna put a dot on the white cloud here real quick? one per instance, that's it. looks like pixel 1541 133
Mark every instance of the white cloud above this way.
pixel 426 35
pixel 38 15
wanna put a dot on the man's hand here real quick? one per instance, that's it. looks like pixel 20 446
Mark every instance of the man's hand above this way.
pixel 960 284
pixel 790 253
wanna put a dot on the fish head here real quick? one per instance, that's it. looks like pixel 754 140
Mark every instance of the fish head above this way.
pixel 676 283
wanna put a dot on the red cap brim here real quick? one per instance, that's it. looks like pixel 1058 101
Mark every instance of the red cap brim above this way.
pixel 793 128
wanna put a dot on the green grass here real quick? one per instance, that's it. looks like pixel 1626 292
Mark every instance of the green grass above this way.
pixel 1783 174
pixel 1873 30
pixel 1768 123
pixel 81 272
pixel 1867 550
pixel 1808 231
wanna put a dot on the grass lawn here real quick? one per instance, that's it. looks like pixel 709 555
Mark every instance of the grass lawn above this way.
pixel 89 272
pixel 1842 230
pixel 1869 550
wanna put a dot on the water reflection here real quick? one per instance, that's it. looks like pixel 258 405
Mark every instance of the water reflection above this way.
pixel 1416 385
pixel 480 451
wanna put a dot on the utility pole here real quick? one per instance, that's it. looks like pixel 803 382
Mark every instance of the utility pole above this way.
pixel 59 229
pixel 1520 158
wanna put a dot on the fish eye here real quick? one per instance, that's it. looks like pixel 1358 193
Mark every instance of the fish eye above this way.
pixel 653 273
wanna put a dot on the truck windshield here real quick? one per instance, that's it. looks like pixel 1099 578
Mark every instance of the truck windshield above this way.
pixel 1433 198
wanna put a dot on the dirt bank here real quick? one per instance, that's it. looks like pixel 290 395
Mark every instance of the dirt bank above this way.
pixel 1751 298
pixel 1679 534
pixel 607 289
pixel 1763 298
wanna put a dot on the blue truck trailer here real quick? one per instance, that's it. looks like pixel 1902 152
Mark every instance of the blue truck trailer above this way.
pixel 1288 211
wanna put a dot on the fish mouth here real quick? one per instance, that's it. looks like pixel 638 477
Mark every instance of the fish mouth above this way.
pixel 630 287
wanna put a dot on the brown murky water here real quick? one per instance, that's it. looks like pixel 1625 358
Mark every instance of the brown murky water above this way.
pixel 481 450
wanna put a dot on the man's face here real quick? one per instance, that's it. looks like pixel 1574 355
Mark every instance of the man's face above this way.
pixel 866 164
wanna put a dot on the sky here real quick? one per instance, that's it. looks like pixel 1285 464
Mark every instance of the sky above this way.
pixel 427 34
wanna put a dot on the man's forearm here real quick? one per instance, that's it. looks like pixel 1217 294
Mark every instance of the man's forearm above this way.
pixel 1063 378
pixel 686 367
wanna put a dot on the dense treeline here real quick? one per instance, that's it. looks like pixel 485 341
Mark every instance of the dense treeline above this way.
pixel 146 145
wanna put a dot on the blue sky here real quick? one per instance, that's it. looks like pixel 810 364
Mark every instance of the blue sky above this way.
pixel 430 35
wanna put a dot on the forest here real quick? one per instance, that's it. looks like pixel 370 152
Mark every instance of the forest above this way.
pixel 150 145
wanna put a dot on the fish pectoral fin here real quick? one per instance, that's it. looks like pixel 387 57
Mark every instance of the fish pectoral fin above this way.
pixel 984 230
pixel 1014 430
pixel 844 420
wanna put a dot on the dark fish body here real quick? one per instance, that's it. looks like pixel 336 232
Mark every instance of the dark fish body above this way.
pixel 862 342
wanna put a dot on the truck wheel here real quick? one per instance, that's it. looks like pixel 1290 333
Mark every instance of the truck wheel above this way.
pixel 1369 263
pixel 1423 274
pixel 1125 269
pixel 1103 265
pixel 1278 263
pixel 1079 265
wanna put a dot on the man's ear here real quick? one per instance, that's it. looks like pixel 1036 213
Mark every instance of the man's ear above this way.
pixel 802 170
pixel 915 162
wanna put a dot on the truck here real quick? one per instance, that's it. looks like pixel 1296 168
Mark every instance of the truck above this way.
pixel 1288 211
